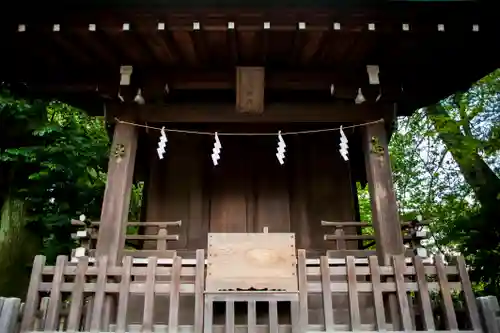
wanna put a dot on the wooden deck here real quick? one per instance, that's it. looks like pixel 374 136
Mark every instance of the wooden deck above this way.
pixel 101 298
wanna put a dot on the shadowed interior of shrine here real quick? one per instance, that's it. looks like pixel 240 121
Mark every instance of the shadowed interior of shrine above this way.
pixel 249 189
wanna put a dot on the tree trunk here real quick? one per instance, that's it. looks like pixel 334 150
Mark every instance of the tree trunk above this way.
pixel 477 234
pixel 483 180
pixel 18 246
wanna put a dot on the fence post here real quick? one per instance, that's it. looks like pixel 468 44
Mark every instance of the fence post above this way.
pixel 9 315
pixel 490 313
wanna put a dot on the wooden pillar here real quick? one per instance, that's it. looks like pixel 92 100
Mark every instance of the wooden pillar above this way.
pixel 115 206
pixel 385 216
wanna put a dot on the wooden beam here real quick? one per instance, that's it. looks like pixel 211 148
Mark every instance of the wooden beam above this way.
pixel 385 214
pixel 250 89
pixel 174 75
pixel 114 214
pixel 105 82
pixel 338 111
pixel 155 78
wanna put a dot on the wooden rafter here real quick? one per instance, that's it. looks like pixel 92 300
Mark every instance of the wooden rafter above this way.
pixel 400 42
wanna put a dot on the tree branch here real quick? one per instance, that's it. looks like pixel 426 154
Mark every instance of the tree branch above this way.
pixel 477 173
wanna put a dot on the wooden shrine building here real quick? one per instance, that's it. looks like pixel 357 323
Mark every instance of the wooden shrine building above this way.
pixel 273 234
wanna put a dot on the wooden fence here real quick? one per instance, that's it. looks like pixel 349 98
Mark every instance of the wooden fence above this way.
pixel 490 313
pixel 80 298
pixel 11 310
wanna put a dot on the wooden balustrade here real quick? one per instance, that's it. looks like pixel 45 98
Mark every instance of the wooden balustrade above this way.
pixel 490 313
pixel 75 283
pixel 419 288
pixel 89 235
pixel 412 235
pixel 11 310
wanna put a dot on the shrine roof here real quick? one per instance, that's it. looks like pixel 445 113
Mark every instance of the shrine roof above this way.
pixel 425 50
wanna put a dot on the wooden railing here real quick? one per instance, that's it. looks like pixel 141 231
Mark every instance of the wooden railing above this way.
pixel 88 234
pixel 77 283
pixel 490 313
pixel 11 310
pixel 352 231
pixel 87 292
pixel 342 233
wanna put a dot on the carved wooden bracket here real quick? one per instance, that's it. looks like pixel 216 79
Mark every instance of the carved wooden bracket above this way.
pixel 250 89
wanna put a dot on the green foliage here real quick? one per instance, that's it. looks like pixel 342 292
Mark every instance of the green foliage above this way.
pixel 365 210
pixel 55 160
pixel 446 164
pixel 365 214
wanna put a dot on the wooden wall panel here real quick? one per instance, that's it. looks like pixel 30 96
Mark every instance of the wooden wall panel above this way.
pixel 320 190
pixel 249 189
pixel 329 191
pixel 270 188
pixel 171 181
pixel 176 201
pixel 299 203
pixel 229 188
pixel 155 193
pixel 196 226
